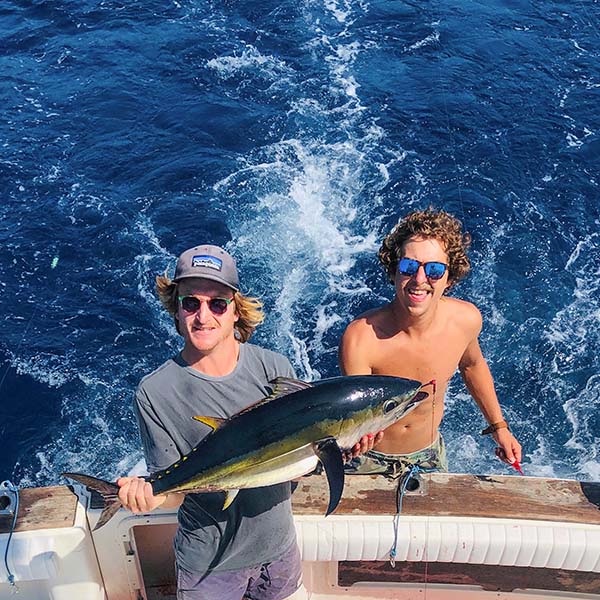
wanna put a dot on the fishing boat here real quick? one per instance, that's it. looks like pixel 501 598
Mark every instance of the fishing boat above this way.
pixel 473 537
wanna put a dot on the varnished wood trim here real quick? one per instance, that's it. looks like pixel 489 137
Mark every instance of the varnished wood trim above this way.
pixel 450 494
pixel 42 508
pixel 489 578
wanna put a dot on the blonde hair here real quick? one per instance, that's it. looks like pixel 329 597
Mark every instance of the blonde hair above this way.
pixel 249 309
pixel 429 223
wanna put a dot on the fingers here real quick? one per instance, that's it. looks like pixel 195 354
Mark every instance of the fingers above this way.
pixel 365 444
pixel 505 455
pixel 136 494
pixel 509 448
pixel 509 453
pixel 517 450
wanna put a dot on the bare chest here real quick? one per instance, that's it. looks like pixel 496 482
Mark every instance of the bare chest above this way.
pixel 435 357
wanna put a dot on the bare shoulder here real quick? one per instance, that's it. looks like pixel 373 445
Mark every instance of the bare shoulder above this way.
pixel 358 342
pixel 465 314
pixel 364 326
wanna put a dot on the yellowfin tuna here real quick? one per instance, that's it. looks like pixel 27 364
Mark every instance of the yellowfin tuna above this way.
pixel 281 438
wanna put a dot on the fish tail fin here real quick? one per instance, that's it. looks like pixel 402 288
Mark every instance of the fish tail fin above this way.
pixel 107 490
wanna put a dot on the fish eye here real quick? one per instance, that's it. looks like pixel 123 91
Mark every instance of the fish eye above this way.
pixel 389 406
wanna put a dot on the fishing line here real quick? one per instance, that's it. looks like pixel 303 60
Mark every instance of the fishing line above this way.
pixel 403 483
pixel 591 22
pixel 453 152
pixel 10 487
pixel 400 491
pixel 52 266
pixel 16 351
pixel 427 519
pixel 451 135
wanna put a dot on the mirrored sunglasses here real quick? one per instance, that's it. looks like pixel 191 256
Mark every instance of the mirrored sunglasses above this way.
pixel 433 269
pixel 217 306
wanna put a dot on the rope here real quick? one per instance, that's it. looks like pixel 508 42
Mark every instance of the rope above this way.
pixel 402 485
pixel 401 490
pixel 11 488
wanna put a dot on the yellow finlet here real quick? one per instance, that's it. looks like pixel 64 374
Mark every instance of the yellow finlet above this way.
pixel 212 422
pixel 229 498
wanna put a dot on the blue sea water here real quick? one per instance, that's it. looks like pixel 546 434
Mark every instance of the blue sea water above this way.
pixel 296 134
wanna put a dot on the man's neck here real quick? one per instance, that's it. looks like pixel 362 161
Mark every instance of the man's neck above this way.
pixel 217 363
pixel 413 325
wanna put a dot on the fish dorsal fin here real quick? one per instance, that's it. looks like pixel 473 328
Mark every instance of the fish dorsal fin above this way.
pixel 282 386
pixel 213 422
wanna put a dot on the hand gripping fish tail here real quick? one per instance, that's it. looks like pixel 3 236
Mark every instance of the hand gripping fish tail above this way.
pixel 107 490
pixel 282 437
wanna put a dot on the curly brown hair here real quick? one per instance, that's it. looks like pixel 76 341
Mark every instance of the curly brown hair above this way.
pixel 429 223
pixel 249 309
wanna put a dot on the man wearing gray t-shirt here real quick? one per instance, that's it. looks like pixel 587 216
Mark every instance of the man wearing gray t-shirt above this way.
pixel 248 550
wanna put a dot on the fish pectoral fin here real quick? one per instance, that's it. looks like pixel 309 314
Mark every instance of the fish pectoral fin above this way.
pixel 213 422
pixel 330 455
pixel 229 497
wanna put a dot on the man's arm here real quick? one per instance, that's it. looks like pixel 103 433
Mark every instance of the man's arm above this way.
pixel 478 378
pixel 354 361
pixel 136 493
pixel 353 355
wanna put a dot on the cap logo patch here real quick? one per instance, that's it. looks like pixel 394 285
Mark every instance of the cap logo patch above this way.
pixel 206 261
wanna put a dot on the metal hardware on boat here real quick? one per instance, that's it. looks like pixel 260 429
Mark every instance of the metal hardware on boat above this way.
pixel 8 498
pixel 129 551
pixel 9 505
pixel 416 485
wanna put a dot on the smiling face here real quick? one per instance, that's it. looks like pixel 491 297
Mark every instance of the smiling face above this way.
pixel 417 293
pixel 205 332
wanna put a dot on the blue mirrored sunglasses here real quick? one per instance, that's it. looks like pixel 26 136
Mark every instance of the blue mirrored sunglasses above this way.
pixel 433 269
pixel 217 306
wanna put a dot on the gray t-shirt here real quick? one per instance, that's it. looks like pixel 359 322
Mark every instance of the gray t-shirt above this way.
pixel 257 527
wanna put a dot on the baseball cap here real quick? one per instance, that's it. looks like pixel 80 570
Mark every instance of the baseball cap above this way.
pixel 208 262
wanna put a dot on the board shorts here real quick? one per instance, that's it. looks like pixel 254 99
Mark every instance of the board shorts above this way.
pixel 276 580
pixel 431 458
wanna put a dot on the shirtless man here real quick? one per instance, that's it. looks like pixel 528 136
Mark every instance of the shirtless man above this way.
pixel 425 335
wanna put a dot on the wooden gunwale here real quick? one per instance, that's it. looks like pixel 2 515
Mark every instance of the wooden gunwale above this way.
pixel 441 494
pixel 459 495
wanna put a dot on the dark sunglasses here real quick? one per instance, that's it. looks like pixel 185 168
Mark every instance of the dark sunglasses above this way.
pixel 217 306
pixel 433 269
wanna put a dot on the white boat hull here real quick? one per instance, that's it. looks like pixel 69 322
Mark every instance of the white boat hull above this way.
pixel 452 542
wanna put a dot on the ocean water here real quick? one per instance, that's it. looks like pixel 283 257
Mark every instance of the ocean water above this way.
pixel 296 134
